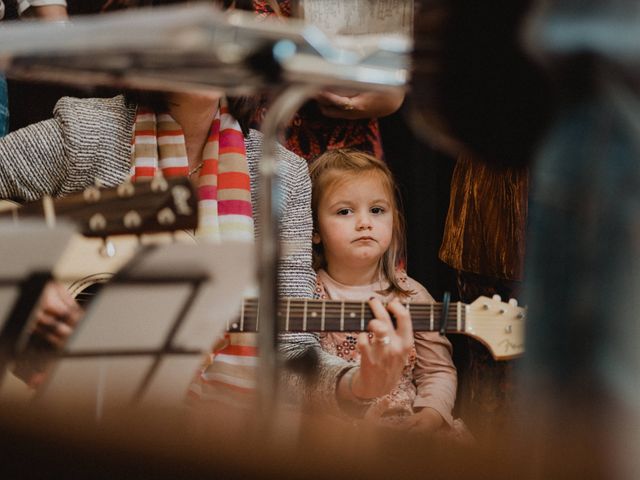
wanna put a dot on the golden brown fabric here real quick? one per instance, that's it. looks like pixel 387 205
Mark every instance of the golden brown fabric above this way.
pixel 486 222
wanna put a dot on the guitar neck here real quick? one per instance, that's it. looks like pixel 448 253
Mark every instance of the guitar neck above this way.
pixel 307 315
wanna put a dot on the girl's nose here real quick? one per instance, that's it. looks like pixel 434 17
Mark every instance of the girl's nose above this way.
pixel 364 223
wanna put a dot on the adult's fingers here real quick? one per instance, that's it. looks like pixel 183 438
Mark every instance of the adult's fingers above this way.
pixel 52 302
pixel 64 295
pixel 380 313
pixel 53 325
pixel 403 321
pixel 328 98
pixel 365 349
pixel 59 302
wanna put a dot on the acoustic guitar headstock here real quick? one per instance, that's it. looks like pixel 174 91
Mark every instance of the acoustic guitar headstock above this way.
pixel 159 205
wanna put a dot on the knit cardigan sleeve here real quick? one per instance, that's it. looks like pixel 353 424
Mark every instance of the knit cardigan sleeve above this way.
pixel 296 278
pixel 33 161
pixel 88 140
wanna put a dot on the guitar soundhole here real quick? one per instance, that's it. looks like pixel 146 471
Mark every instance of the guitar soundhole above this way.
pixel 86 295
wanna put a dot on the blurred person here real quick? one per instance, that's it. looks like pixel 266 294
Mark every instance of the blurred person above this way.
pixel 334 118
pixel 482 99
pixel 583 277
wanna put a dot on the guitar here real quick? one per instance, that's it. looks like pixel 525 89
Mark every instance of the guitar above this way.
pixel 113 223
pixel 497 325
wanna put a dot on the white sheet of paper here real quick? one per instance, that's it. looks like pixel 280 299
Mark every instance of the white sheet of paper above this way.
pixel 128 324
pixel 28 246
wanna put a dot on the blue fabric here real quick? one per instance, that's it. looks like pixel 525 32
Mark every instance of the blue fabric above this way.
pixel 4 107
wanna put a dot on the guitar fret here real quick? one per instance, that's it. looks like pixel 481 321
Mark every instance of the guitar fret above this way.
pixel 324 304
pixel 362 316
pixel 286 320
pixel 242 317
pixel 257 315
pixel 304 316
pixel 431 320
pixel 342 316
pixel 459 319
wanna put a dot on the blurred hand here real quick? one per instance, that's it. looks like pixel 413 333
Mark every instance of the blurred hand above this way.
pixel 360 105
pixel 56 315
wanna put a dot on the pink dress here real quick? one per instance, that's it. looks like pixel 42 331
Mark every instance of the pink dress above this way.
pixel 429 378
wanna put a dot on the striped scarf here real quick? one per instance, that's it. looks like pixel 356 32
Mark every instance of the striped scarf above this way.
pixel 223 180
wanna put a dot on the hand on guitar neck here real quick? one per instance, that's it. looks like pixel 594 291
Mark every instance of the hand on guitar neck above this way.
pixel 382 357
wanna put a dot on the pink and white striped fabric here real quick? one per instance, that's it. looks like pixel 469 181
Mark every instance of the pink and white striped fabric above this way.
pixel 225 213
pixel 158 147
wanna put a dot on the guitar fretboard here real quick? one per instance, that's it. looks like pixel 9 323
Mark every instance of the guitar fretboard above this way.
pixel 308 315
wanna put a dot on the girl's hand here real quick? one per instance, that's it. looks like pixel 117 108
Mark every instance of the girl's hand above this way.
pixel 56 315
pixel 383 357
pixel 361 105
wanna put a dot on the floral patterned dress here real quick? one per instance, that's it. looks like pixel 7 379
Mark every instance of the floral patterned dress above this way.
pixel 435 390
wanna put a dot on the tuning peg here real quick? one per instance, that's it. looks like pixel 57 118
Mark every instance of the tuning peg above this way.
pixel 97 222
pixel 91 194
pixel 126 189
pixel 497 298
pixel 159 184
pixel 132 219
pixel 166 217
pixel 181 195
pixel 513 302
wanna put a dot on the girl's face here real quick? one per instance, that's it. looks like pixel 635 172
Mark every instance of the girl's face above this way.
pixel 355 221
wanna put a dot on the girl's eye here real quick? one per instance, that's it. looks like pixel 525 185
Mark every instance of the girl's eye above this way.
pixel 377 210
pixel 343 211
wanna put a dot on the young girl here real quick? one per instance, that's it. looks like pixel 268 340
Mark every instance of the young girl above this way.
pixel 358 242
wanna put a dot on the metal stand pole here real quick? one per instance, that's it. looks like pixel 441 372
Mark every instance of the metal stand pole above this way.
pixel 281 111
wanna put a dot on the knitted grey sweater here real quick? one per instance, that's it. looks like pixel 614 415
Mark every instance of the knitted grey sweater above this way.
pixel 90 139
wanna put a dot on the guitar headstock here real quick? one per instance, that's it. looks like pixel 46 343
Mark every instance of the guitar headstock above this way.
pixel 497 325
pixel 160 205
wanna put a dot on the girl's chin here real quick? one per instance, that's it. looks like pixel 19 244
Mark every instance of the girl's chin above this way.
pixel 363 262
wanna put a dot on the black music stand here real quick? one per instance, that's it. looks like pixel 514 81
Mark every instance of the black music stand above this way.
pixel 29 253
pixel 144 335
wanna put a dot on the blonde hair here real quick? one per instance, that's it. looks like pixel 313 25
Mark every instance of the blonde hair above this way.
pixel 330 169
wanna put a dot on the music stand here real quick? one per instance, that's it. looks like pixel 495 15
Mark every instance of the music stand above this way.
pixel 144 335
pixel 30 249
